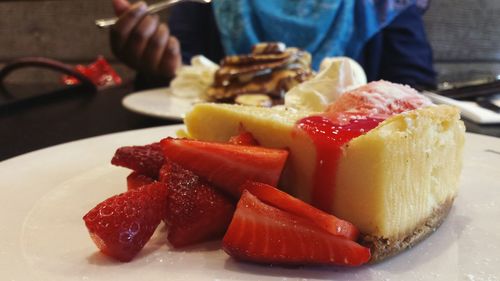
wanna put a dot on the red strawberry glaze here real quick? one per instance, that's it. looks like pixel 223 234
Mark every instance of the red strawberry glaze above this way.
pixel 328 138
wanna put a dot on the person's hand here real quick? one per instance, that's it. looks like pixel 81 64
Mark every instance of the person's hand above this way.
pixel 142 42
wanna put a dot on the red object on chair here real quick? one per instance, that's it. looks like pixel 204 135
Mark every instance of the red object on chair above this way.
pixel 99 72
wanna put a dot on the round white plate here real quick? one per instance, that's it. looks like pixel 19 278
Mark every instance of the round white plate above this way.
pixel 158 103
pixel 44 194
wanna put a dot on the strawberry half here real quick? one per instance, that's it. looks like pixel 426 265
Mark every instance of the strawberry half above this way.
pixel 146 159
pixel 227 166
pixel 281 200
pixel 196 211
pixel 121 225
pixel 136 181
pixel 244 138
pixel 265 234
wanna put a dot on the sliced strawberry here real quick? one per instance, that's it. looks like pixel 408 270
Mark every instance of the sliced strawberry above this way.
pixel 136 181
pixel 146 160
pixel 281 200
pixel 265 234
pixel 244 138
pixel 121 225
pixel 196 211
pixel 227 166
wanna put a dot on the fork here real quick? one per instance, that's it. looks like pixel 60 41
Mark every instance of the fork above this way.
pixel 152 9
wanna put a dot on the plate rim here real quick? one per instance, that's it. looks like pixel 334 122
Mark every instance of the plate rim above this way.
pixel 160 91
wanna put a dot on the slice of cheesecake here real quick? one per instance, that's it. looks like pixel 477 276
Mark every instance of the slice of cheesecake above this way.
pixel 396 182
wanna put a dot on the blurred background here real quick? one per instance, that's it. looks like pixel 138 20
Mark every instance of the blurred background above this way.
pixel 59 29
pixel 464 35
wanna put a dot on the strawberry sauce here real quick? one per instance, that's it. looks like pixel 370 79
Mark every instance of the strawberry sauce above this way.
pixel 328 138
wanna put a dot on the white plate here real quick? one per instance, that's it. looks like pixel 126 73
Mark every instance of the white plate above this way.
pixel 469 109
pixel 158 103
pixel 44 194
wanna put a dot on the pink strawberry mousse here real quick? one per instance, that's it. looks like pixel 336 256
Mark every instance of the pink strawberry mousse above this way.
pixel 379 99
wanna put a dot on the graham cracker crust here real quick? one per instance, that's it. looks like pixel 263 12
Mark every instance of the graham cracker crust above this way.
pixel 382 248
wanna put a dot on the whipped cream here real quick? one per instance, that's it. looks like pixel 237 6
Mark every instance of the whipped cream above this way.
pixel 192 81
pixel 336 76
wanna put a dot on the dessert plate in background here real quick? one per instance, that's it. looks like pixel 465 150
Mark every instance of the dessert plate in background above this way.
pixel 44 194
pixel 159 102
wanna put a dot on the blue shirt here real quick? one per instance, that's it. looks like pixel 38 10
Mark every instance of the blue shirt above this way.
pixel 399 52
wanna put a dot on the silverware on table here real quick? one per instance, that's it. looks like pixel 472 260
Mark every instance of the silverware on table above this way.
pixel 152 9
pixel 487 102
pixel 471 91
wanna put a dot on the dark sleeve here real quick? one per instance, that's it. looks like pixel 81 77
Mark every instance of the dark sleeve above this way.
pixel 401 53
pixel 194 25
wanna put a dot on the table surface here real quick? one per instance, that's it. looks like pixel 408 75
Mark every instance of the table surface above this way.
pixel 67 114
pixel 72 113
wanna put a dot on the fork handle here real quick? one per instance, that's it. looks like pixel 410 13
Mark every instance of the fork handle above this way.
pixel 103 23
pixel 155 8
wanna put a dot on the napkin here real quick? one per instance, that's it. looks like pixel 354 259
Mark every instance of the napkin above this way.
pixel 469 109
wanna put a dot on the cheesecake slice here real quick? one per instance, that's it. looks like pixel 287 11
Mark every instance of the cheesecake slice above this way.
pixel 396 182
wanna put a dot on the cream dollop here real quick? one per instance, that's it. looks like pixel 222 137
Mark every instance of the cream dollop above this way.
pixel 192 81
pixel 336 76
pixel 379 99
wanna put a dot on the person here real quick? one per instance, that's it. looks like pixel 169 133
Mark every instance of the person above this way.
pixel 387 37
